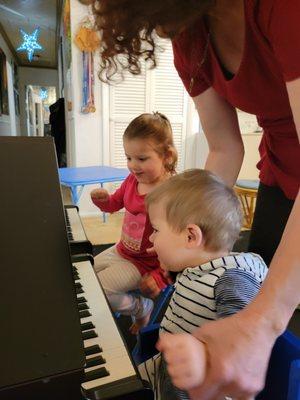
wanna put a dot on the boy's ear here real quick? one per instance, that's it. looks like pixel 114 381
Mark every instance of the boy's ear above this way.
pixel 194 236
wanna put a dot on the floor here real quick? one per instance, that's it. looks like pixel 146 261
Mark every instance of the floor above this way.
pixel 99 232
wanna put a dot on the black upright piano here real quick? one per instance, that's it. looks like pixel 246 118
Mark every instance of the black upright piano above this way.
pixel 58 337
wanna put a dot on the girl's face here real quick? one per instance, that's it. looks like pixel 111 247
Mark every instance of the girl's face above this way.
pixel 143 161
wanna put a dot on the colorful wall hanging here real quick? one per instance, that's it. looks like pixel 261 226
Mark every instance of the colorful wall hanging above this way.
pixel 87 40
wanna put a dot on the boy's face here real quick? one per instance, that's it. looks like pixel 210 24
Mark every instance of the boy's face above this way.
pixel 169 245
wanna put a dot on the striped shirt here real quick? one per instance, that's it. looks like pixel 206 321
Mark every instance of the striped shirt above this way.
pixel 212 290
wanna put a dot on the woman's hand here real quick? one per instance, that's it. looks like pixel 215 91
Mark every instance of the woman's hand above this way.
pixel 149 287
pixel 185 357
pixel 238 349
pixel 99 194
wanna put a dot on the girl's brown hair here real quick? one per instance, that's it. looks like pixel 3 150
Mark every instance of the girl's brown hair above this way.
pixel 155 128
pixel 127 28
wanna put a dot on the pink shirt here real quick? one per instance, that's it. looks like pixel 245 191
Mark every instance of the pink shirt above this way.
pixel 136 228
pixel 271 57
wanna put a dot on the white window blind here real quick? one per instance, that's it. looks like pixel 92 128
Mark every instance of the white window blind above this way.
pixel 154 90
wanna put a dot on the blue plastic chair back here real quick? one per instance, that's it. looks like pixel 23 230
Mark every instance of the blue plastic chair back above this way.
pixel 283 376
pixel 161 304
pixel 148 336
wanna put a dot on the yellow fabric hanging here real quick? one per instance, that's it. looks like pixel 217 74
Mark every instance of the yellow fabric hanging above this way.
pixel 87 39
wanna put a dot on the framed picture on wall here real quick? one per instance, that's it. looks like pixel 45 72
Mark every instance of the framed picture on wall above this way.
pixel 16 89
pixel 4 109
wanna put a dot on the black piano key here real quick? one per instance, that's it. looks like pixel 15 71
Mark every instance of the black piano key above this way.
pixel 95 374
pixel 84 314
pixel 93 361
pixel 81 299
pixel 83 306
pixel 88 351
pixel 79 290
pixel 74 268
pixel 87 325
pixel 89 335
pixel 78 285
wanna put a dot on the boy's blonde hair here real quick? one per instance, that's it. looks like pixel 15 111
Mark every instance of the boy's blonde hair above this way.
pixel 199 197
pixel 157 129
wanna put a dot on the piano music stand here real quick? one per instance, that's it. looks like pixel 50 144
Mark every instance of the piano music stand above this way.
pixel 77 177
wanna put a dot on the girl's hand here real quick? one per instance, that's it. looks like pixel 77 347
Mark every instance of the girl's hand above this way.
pixel 149 287
pixel 185 357
pixel 100 194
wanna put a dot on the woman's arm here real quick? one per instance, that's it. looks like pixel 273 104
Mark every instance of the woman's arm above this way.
pixel 220 125
pixel 281 289
pixel 239 347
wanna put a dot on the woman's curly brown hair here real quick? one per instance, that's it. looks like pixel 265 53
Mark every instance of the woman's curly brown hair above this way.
pixel 127 29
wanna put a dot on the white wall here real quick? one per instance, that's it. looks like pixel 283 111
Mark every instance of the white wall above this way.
pixel 36 77
pixel 9 124
pixel 84 131
pixel 251 144
pixel 87 132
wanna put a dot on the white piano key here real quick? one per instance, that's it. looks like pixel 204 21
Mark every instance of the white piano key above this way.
pixel 118 362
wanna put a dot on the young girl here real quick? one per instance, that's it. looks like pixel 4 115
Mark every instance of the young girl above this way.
pixel 151 159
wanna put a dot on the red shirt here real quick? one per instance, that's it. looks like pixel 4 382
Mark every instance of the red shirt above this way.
pixel 271 57
pixel 136 228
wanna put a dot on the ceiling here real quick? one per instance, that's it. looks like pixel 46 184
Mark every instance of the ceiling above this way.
pixel 28 15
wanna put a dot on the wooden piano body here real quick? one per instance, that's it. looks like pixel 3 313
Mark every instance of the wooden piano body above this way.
pixel 50 345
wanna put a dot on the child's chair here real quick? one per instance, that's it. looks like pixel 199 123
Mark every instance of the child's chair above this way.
pixel 147 337
pixel 246 189
pixel 283 375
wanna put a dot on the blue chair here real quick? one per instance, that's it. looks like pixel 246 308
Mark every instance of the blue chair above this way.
pixel 283 375
pixel 147 337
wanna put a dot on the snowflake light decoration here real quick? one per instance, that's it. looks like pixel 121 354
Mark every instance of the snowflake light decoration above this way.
pixel 30 43
pixel 43 93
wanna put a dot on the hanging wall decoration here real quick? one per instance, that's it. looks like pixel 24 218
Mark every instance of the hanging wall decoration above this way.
pixel 66 37
pixel 30 43
pixel 43 93
pixel 87 40
pixel 4 107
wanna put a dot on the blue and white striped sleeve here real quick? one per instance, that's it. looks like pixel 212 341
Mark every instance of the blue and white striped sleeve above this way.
pixel 233 291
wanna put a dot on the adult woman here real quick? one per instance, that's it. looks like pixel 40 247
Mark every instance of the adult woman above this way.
pixel 233 54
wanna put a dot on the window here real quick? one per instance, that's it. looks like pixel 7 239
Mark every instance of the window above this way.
pixel 160 90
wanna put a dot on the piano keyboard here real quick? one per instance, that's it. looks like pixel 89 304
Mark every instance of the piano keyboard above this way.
pixel 109 371
pixel 78 241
